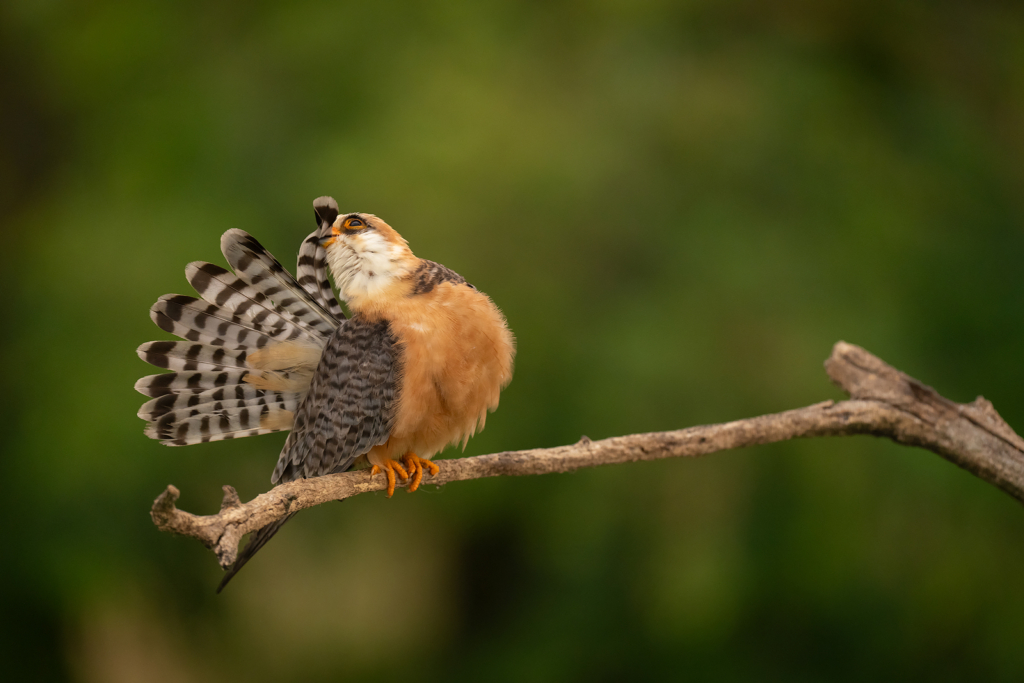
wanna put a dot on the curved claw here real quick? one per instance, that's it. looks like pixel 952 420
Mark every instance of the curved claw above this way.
pixel 416 464
pixel 390 467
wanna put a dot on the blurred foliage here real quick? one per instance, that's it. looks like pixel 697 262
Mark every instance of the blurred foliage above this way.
pixel 680 206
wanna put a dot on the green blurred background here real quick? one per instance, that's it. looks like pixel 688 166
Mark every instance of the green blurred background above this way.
pixel 680 206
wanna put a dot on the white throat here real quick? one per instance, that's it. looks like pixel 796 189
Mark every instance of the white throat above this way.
pixel 366 264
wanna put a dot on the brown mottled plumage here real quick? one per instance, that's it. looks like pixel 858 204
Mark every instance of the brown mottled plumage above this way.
pixel 416 368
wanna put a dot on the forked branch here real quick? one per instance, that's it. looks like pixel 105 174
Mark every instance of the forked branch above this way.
pixel 883 402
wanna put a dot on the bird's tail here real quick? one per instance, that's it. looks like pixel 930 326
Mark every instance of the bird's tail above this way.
pixel 251 344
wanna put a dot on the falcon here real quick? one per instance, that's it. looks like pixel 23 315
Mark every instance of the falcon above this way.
pixel 417 366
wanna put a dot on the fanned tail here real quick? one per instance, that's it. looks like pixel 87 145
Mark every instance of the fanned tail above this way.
pixel 251 344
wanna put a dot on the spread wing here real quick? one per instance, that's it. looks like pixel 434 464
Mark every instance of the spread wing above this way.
pixel 349 409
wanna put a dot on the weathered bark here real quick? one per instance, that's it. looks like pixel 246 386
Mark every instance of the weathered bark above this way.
pixel 884 402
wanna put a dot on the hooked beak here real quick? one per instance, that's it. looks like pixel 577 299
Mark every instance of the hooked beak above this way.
pixel 329 239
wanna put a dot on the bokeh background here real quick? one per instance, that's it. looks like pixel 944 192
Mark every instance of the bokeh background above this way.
pixel 680 206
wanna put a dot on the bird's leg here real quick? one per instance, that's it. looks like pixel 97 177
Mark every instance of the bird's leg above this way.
pixel 416 464
pixel 390 467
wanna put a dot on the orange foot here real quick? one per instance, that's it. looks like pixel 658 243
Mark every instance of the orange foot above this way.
pixel 416 464
pixel 390 466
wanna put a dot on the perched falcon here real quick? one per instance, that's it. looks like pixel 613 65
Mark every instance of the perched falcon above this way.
pixel 416 367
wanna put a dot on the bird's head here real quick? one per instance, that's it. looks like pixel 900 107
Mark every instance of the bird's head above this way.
pixel 366 256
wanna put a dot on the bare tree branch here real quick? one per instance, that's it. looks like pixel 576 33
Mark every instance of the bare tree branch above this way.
pixel 884 402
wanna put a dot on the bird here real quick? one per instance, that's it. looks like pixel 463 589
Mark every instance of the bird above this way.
pixel 416 366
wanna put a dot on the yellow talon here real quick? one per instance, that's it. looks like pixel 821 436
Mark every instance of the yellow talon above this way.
pixel 416 464
pixel 390 468
pixel 416 469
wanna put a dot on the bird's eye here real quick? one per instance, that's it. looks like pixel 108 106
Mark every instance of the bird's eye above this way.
pixel 354 223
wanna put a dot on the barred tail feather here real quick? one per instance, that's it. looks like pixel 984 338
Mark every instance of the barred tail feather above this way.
pixel 258 268
pixel 188 382
pixel 177 430
pixel 271 400
pixel 199 381
pixel 197 321
pixel 312 273
pixel 251 344
pixel 229 397
pixel 224 289
pixel 312 267
pixel 190 356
